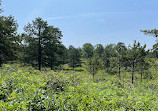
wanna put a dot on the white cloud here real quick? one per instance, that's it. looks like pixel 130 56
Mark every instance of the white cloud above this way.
pixel 93 14
pixel 60 17
pixel 73 16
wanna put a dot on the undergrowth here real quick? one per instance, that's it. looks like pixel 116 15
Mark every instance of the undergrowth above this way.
pixel 26 89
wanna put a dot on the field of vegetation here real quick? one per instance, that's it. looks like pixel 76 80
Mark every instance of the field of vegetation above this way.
pixel 27 89
pixel 39 73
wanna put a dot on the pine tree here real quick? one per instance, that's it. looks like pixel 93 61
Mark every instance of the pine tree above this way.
pixel 74 57
pixel 8 28
pixel 34 36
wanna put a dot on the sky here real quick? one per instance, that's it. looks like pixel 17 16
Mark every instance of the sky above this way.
pixel 90 21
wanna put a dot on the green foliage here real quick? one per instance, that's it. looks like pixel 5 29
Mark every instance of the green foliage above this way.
pixel 107 54
pixel 93 64
pixel 153 32
pixel 35 33
pixel 74 57
pixel 121 52
pixel 24 88
pixel 137 55
pixel 42 44
pixel 155 50
pixel 50 46
pixel 87 50
pixel 99 50
pixel 8 28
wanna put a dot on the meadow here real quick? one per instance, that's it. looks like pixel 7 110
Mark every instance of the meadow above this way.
pixel 23 88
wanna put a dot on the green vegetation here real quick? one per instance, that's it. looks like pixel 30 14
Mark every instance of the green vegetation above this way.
pixel 24 88
pixel 38 73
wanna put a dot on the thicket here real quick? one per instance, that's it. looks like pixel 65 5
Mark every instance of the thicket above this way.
pixel 24 88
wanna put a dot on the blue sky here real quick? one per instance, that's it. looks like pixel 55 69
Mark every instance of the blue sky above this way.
pixel 90 21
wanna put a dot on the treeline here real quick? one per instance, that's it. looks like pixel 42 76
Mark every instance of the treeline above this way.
pixel 40 46
pixel 117 58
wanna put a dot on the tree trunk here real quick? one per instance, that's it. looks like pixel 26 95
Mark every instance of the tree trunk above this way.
pixel 0 62
pixel 125 70
pixel 132 77
pixel 51 64
pixel 156 53
pixel 39 50
pixel 93 72
pixel 107 70
pixel 119 71
pixel 73 62
pixel 141 76
pixel 133 73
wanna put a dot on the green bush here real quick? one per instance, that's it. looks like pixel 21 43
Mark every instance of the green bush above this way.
pixel 27 89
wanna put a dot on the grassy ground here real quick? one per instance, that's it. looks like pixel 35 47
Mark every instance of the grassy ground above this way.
pixel 24 88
